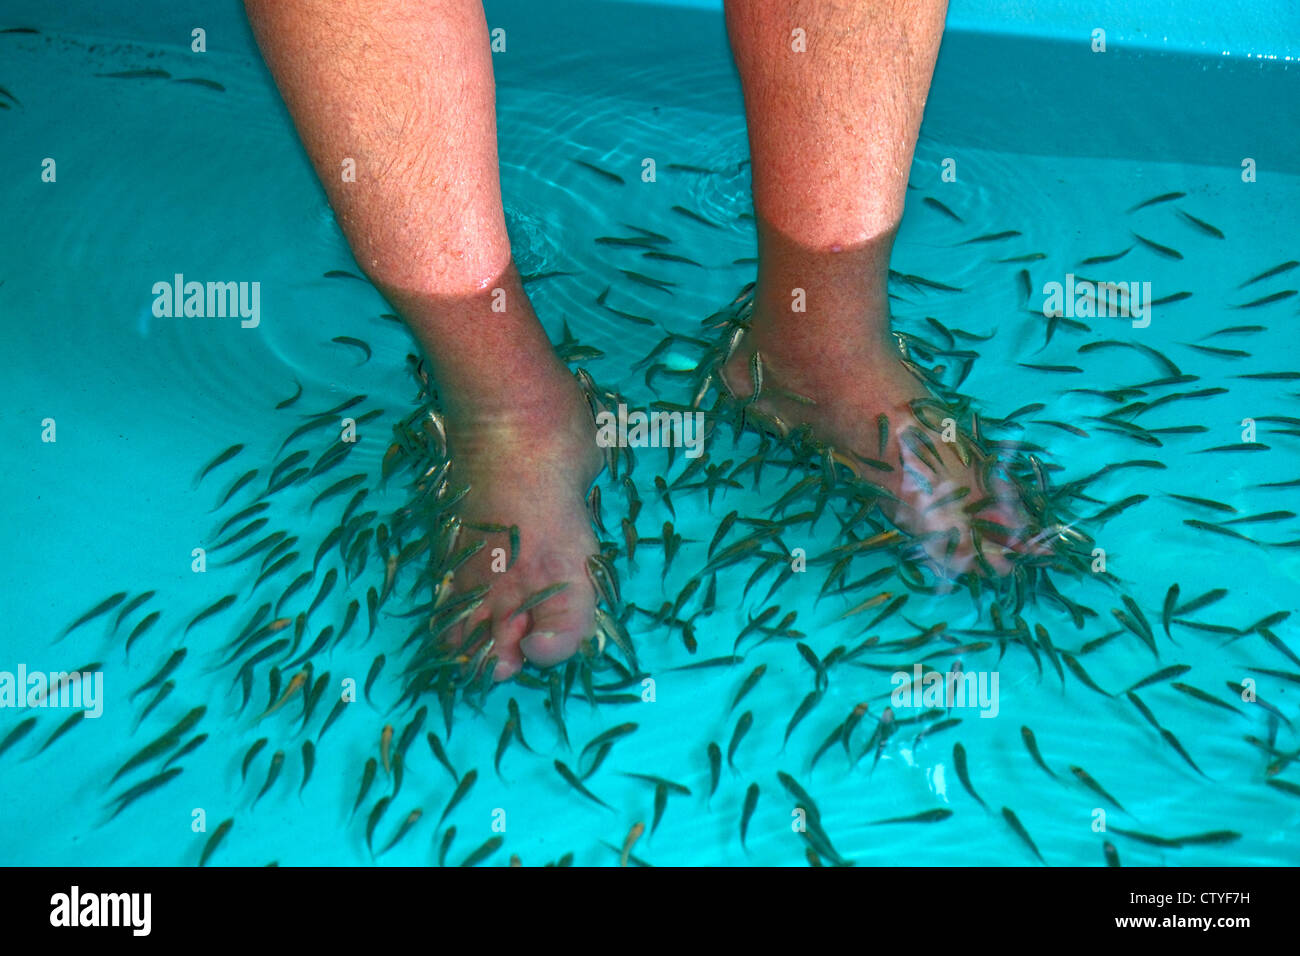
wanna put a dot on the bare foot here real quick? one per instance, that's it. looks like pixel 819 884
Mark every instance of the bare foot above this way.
pixel 529 467
pixel 840 355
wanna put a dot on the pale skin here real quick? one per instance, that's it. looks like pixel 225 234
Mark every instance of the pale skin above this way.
pixel 405 89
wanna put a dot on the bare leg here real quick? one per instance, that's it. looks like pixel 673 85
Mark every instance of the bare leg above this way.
pixel 405 89
pixel 832 131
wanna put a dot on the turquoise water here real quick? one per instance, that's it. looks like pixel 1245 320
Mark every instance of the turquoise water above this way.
pixel 156 178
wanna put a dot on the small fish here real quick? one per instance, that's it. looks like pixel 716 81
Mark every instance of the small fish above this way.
pixel 1239 446
pixel 485 850
pixel 1112 855
pixel 1267 300
pixel 537 597
pixel 1050 368
pixel 335 712
pixel 751 802
pixel 1045 640
pixel 551 274
pixel 1236 330
pixel 1272 376
pixel 1157 248
pixel 1147 838
pixel 372 610
pixel 163 693
pixel 1088 781
pixel 462 788
pixel 612 177
pixel 445 845
pixel 1196 604
pixel 959 763
pixel 376 813
pixel 164 672
pixel 661 803
pixel 743 725
pixel 221 459
pixel 1198 694
pixel 1270 273
pixel 137 75
pixel 1172 741
pixel 576 784
pixel 991 237
pixel 608 736
pixel 1163 197
pixel 715 766
pixel 805 707
pixel 18 733
pixel 295 684
pixel 661 782
pixel 163 743
pixel 411 820
pixel 141 628
pixel 147 786
pixel 327 585
pixel 367 778
pixel 1248 697
pixel 308 762
pixel 1215 837
pixel 695 217
pixel 354 343
pixel 669 257
pixel 131 606
pixel 660 284
pixel 935 204
pixel 277 762
pixel 1031 744
pixel 240 482
pixel 1205 503
pixel 1202 225
pixel 629 841
pixel 1143 709
pixel 937 815
pixel 1164 674
pixel 375 668
pixel 1014 822
pixel 103 606
pixel 252 753
pixel 503 742
pixel 193 745
pixel 750 683
pixel 338 488
pixel 1098 260
pixel 1285 786
pixel 214 841
pixel 385 745
pixel 556 698
pixel 76 718
pixel 292 398
pixel 1077 670
pixel 216 608
pixel 200 81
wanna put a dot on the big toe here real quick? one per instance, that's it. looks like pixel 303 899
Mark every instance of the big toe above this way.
pixel 559 626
